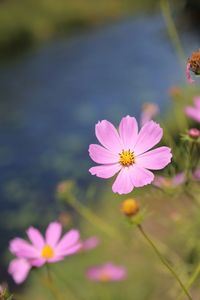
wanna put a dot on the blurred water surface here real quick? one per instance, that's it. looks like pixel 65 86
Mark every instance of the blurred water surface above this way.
pixel 51 100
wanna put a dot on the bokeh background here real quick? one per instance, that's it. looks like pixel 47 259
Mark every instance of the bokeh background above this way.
pixel 64 65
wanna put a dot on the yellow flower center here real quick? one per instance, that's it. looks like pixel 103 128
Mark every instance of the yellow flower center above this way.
pixel 126 158
pixel 104 277
pixel 47 252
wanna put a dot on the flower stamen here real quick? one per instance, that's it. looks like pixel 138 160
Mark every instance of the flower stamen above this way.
pixel 47 252
pixel 126 158
pixel 104 276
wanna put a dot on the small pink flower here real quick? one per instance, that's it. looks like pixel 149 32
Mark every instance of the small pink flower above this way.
pixel 194 111
pixel 196 174
pixel 188 75
pixel 46 250
pixel 107 272
pixel 90 243
pixel 126 151
pixel 164 182
pixel 194 133
pixel 19 269
pixel 149 111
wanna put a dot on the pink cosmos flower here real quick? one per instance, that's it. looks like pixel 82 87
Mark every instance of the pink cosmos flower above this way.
pixel 19 269
pixel 164 182
pixel 90 243
pixel 126 151
pixel 194 111
pixel 107 272
pixel 196 174
pixel 188 75
pixel 149 111
pixel 46 250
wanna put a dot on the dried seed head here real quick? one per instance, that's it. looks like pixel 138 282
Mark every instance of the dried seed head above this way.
pixel 194 62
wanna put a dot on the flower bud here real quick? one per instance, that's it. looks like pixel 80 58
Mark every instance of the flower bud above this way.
pixel 130 207
pixel 194 133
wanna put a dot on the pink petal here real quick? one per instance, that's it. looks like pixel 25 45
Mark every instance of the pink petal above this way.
pixel 193 113
pixel 69 239
pixel 53 233
pixel 155 159
pixel 108 136
pixel 188 75
pixel 35 237
pixel 105 171
pixel 197 101
pixel 150 135
pixel 123 184
pixel 55 259
pixel 109 271
pixel 159 181
pixel 116 272
pixel 22 248
pixel 178 179
pixel 101 155
pixel 90 243
pixel 140 176
pixel 196 174
pixel 19 269
pixel 128 130
pixel 67 251
pixel 38 262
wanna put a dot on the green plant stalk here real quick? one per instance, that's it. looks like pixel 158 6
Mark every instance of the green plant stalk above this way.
pixel 190 281
pixel 51 285
pixel 172 31
pixel 189 166
pixel 91 217
pixel 165 263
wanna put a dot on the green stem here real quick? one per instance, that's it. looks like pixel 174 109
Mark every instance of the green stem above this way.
pixel 173 34
pixel 51 285
pixel 163 260
pixel 191 280
pixel 189 166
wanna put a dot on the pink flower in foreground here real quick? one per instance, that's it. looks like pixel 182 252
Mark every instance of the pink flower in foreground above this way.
pixel 19 269
pixel 107 272
pixel 90 243
pixel 126 151
pixel 194 111
pixel 46 250
pixel 165 182
pixel 149 111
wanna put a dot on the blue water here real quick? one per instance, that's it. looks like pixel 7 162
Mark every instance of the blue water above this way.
pixel 51 99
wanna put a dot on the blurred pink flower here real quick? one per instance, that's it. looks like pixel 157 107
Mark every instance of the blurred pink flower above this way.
pixel 126 151
pixel 19 269
pixel 90 243
pixel 194 111
pixel 107 272
pixel 188 75
pixel 194 133
pixel 163 182
pixel 196 174
pixel 149 111
pixel 46 250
